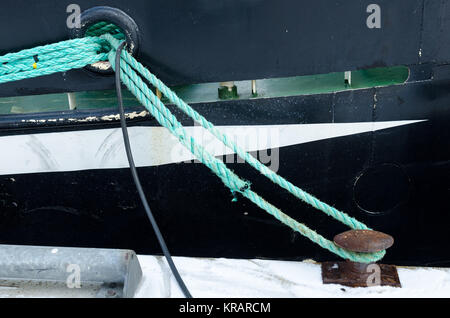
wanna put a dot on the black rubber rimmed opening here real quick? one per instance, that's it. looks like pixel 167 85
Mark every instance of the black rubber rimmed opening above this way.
pixel 115 16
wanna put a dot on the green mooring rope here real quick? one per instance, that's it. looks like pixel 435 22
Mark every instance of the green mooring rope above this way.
pixel 78 53
pixel 52 58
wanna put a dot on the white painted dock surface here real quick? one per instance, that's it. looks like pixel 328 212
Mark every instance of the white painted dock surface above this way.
pixel 211 278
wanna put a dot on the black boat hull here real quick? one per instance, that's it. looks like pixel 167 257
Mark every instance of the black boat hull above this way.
pixel 396 179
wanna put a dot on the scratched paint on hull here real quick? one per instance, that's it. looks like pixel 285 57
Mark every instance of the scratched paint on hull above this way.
pixel 154 146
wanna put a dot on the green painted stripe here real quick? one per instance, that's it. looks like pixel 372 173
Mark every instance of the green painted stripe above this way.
pixel 292 86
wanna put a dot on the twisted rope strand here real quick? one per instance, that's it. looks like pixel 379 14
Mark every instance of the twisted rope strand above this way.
pixel 50 59
pixel 54 68
pixel 74 43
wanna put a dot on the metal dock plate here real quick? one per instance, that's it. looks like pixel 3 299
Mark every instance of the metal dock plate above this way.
pixel 37 271
pixel 345 273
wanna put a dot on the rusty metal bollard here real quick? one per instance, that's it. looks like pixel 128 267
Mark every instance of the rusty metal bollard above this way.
pixel 355 274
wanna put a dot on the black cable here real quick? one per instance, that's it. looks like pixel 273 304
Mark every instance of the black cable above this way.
pixel 134 173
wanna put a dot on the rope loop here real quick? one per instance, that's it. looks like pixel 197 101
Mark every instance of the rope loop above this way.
pixel 77 53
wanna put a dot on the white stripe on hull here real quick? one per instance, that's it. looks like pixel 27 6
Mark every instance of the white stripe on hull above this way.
pixel 154 146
